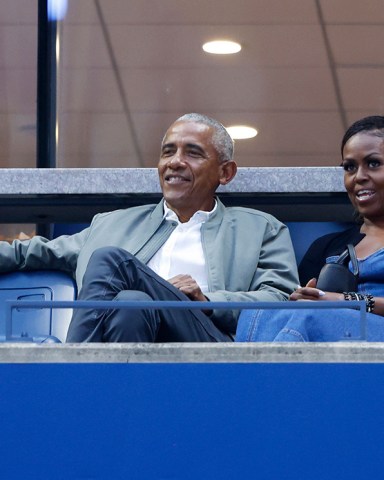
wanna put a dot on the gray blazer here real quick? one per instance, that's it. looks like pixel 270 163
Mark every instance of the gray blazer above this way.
pixel 249 254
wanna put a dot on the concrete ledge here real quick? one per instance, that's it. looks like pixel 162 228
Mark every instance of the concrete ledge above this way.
pixel 356 352
pixel 80 181
pixel 74 195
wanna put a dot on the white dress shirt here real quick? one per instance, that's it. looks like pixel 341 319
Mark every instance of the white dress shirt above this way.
pixel 183 252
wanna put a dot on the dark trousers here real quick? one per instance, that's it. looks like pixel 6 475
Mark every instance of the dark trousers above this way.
pixel 114 274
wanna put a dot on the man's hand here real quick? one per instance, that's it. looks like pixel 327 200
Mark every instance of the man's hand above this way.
pixel 189 286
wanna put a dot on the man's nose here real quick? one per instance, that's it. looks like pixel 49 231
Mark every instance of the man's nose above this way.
pixel 176 159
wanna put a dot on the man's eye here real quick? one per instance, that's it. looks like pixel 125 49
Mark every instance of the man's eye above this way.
pixel 195 153
pixel 166 152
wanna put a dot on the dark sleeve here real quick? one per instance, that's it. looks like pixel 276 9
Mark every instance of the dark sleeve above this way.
pixel 324 247
pixel 313 260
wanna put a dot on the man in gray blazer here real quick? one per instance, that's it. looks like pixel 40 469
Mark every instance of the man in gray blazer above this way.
pixel 187 247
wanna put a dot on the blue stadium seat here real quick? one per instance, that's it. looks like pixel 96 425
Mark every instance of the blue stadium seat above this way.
pixel 304 233
pixel 36 324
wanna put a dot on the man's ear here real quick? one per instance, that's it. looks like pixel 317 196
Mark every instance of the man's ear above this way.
pixel 227 172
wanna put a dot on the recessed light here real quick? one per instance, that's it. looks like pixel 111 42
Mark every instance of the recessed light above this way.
pixel 241 132
pixel 57 9
pixel 222 47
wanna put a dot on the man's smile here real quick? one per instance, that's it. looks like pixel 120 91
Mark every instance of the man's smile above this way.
pixel 175 179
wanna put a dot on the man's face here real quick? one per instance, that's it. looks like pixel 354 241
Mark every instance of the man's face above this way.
pixel 189 168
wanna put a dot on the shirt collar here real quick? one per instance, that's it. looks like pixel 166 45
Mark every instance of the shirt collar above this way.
pixel 198 217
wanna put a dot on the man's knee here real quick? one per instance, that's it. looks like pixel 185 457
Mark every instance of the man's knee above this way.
pixel 132 295
pixel 131 324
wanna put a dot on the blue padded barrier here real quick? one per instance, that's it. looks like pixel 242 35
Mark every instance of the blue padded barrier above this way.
pixel 304 233
pixel 37 323
pixel 27 324
pixel 179 305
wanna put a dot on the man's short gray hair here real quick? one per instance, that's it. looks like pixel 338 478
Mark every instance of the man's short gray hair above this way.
pixel 221 139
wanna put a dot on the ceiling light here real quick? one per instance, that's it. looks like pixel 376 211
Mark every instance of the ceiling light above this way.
pixel 57 9
pixel 241 132
pixel 222 47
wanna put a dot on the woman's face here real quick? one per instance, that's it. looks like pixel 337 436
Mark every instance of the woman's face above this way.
pixel 363 163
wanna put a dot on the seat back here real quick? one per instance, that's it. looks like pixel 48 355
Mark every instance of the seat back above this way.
pixel 36 286
pixel 304 233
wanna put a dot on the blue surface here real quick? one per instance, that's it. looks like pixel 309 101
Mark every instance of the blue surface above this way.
pixel 304 233
pixel 36 286
pixel 192 421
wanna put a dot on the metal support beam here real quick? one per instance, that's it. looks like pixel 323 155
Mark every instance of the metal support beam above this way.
pixel 46 97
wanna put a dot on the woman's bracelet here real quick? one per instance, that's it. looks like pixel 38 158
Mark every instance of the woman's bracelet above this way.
pixel 368 299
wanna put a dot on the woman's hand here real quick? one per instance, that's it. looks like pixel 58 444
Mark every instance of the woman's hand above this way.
pixel 310 292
